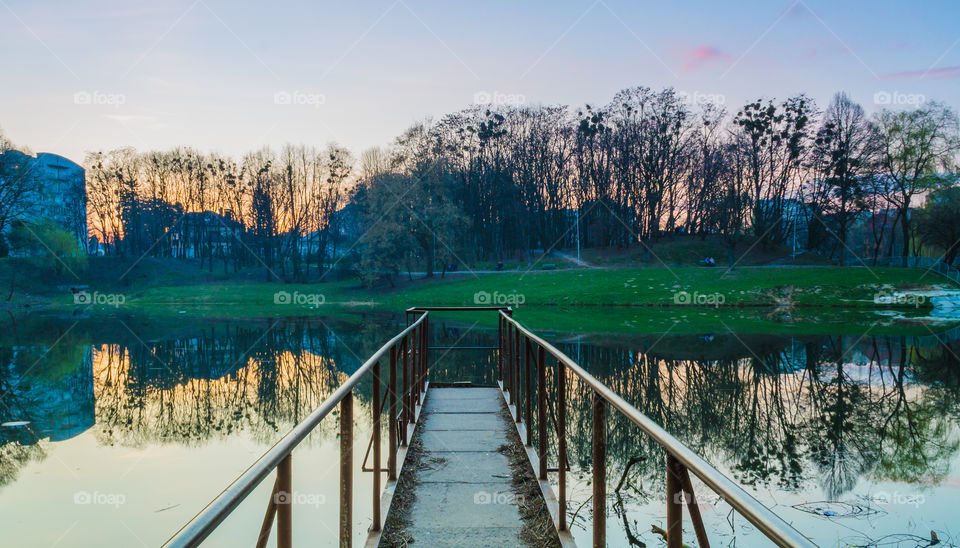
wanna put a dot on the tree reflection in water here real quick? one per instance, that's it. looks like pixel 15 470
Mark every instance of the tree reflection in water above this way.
pixel 790 414
pixel 809 414
pixel 203 383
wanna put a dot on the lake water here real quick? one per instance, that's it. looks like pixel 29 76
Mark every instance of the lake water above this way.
pixel 119 429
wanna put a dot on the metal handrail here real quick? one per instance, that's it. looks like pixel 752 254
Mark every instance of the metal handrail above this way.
pixel 770 524
pixel 198 528
pixel 680 459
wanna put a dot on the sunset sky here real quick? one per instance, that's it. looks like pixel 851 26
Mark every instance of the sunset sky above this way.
pixel 234 76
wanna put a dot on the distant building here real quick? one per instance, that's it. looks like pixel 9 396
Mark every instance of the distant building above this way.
pixel 59 192
pixel 205 234
pixel 796 217
pixel 340 235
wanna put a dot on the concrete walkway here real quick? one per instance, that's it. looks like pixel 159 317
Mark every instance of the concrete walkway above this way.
pixel 464 495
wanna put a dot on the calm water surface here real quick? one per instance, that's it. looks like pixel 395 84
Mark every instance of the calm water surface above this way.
pixel 117 431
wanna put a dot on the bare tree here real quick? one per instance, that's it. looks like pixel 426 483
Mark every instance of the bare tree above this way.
pixel 18 185
pixel 915 146
pixel 844 158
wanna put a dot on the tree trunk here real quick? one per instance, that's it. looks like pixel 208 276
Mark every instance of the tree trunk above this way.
pixel 905 225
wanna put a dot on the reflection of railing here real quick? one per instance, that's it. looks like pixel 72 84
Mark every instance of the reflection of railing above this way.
pixel 521 350
pixel 408 347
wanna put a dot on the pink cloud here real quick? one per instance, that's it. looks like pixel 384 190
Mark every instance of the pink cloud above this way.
pixel 943 73
pixel 701 56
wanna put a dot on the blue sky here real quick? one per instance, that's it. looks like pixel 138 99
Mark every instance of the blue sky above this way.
pixel 81 76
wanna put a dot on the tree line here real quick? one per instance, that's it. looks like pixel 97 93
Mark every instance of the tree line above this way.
pixel 493 183
pixel 646 166
pixel 268 209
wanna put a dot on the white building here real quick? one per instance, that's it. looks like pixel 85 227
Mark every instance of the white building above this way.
pixel 60 192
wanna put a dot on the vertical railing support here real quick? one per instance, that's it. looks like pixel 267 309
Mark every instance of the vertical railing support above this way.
pixel 562 446
pixel 376 447
pixel 425 366
pixel 528 399
pixel 392 416
pixel 407 413
pixel 346 471
pixel 513 363
pixel 693 508
pixel 674 504
pixel 599 471
pixel 500 347
pixel 415 369
pixel 284 504
pixel 519 360
pixel 542 411
pixel 267 525
pixel 508 362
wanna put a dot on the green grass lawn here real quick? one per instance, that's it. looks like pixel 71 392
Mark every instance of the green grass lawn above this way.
pixel 624 300
pixel 616 301
pixel 747 286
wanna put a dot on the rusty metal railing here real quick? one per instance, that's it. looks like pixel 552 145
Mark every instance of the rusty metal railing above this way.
pixel 521 350
pixel 407 353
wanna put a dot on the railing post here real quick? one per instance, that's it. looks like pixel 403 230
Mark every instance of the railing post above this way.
pixel 693 508
pixel 542 411
pixel 511 338
pixel 417 341
pixel 392 416
pixel 499 347
pixel 519 366
pixel 599 471
pixel 267 524
pixel 674 504
pixel 562 445
pixel 508 358
pixel 376 447
pixel 284 504
pixel 346 471
pixel 528 354
pixel 425 365
pixel 406 392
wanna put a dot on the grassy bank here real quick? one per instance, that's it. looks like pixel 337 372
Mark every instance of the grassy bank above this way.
pixel 777 299
pixel 150 283
pixel 748 286
pixel 820 287
pixel 557 319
